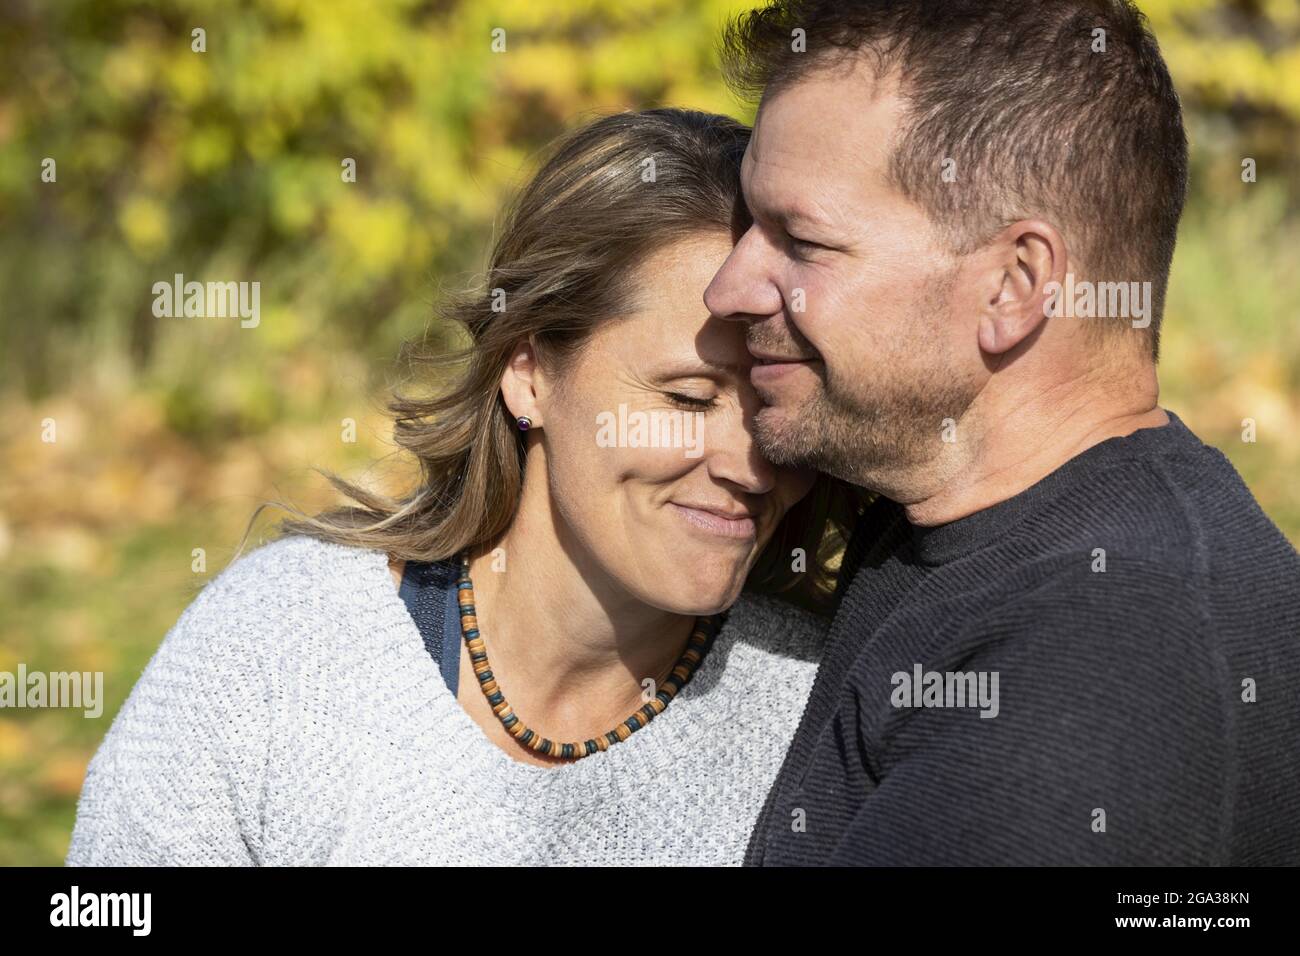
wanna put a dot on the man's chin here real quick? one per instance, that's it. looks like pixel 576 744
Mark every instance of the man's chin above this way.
pixel 813 436
pixel 785 437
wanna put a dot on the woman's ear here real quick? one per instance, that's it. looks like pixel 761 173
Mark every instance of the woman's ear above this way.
pixel 1029 256
pixel 523 385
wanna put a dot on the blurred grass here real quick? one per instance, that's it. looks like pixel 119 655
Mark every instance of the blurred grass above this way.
pixel 171 431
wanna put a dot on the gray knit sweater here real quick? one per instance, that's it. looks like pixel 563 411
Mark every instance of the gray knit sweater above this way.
pixel 292 716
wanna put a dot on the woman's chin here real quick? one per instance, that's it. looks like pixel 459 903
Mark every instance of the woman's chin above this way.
pixel 705 597
pixel 687 576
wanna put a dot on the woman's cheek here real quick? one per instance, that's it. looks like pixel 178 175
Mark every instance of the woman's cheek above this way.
pixel 655 465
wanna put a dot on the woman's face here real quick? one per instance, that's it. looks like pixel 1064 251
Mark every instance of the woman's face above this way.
pixel 650 455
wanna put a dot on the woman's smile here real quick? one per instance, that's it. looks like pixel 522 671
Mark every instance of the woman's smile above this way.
pixel 733 524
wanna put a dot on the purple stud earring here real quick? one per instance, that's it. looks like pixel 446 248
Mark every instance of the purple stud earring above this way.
pixel 524 423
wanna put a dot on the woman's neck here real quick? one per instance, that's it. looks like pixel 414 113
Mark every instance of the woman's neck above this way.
pixel 568 646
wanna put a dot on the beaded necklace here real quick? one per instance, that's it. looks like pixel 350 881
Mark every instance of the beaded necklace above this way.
pixel 697 647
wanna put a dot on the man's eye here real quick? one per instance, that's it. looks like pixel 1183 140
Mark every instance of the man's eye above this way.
pixel 802 247
pixel 690 401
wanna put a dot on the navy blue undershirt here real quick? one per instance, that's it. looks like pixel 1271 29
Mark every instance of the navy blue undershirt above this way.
pixel 429 590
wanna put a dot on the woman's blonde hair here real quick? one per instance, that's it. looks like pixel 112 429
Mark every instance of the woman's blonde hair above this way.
pixel 565 261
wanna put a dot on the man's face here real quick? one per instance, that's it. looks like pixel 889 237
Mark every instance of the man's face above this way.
pixel 845 285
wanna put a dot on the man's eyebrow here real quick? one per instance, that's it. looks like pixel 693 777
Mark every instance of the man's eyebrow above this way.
pixel 789 218
pixel 785 213
pixel 800 216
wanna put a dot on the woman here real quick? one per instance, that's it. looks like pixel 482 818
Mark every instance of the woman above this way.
pixel 607 677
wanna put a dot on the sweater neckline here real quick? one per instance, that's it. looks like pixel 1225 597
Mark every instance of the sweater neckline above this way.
pixel 645 759
pixel 940 544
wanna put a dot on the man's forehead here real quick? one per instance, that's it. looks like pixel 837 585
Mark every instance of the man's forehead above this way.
pixel 780 183
pixel 831 133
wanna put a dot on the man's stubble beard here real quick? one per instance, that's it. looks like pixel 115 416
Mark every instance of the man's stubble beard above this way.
pixel 862 441
pixel 873 438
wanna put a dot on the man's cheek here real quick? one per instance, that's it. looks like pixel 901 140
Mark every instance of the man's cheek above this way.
pixel 821 317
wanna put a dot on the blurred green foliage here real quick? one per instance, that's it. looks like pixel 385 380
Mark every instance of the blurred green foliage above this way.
pixel 226 165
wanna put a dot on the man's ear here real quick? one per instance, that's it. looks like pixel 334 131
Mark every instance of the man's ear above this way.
pixel 1027 258
pixel 523 385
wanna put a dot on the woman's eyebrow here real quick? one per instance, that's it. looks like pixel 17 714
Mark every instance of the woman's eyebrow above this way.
pixel 701 366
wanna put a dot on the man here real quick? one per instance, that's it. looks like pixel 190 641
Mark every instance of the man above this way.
pixel 1066 632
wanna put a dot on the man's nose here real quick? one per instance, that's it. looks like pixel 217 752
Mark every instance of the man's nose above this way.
pixel 745 288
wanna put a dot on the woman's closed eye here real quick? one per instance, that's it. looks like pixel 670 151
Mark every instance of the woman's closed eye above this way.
pixel 690 402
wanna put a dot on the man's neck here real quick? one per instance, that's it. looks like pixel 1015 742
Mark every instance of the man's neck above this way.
pixel 1017 451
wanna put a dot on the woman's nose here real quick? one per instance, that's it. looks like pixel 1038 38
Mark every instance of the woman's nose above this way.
pixel 733 455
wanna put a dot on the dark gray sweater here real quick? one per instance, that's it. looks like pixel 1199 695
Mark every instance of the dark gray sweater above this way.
pixel 1147 713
